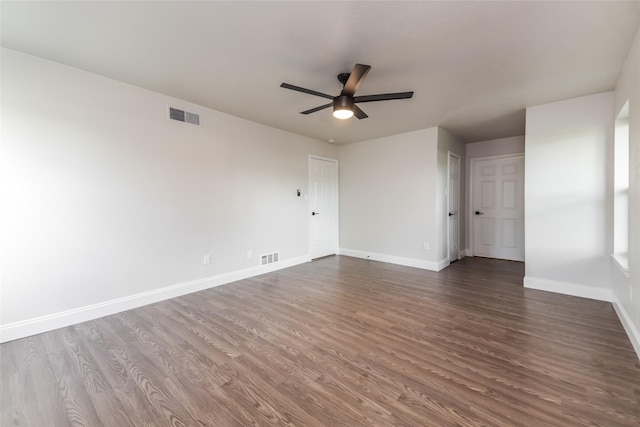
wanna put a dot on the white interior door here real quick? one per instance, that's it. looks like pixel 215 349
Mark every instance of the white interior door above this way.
pixel 498 208
pixel 323 207
pixel 453 190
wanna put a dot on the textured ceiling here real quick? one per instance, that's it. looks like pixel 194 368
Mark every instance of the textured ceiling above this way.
pixel 474 66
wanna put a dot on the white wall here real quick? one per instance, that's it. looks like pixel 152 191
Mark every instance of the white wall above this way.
pixel 474 150
pixel 495 147
pixel 626 291
pixel 567 196
pixel 393 198
pixel 388 198
pixel 104 199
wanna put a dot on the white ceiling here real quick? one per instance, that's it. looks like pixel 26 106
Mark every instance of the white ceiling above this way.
pixel 474 66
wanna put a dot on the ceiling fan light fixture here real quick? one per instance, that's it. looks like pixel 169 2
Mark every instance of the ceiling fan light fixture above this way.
pixel 342 114
pixel 343 107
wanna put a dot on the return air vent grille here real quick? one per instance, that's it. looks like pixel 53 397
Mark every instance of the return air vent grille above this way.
pixel 270 258
pixel 184 116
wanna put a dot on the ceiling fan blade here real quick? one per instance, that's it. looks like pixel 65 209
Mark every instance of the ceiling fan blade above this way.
pixel 355 79
pixel 383 97
pixel 309 91
pixel 359 113
pixel 313 110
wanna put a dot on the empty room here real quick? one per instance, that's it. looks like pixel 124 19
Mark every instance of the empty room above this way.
pixel 320 213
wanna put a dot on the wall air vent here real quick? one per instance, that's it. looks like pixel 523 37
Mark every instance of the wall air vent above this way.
pixel 270 258
pixel 184 116
pixel 192 118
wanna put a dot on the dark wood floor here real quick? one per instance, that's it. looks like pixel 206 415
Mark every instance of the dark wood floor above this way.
pixel 336 342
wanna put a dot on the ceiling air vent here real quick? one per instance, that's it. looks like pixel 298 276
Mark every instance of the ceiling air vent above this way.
pixel 184 116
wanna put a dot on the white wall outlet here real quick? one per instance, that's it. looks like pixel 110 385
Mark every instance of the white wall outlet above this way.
pixel 249 254
pixel 425 246
pixel 207 259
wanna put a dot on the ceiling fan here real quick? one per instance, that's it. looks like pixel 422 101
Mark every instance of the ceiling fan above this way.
pixel 344 105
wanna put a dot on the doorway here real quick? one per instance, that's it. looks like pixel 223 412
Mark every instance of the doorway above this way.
pixel 323 207
pixel 453 202
pixel 497 207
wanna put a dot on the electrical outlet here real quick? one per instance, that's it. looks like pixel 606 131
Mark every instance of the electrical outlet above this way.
pixel 207 259
pixel 425 246
pixel 249 254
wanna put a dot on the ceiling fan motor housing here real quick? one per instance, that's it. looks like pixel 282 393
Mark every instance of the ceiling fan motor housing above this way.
pixel 343 102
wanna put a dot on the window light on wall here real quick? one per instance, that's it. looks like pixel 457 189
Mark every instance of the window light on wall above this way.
pixel 621 190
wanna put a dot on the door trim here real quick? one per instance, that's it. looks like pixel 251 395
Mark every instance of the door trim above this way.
pixel 309 208
pixel 469 216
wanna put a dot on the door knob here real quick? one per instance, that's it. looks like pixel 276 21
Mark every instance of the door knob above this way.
pixel 479 213
pixel 451 214
pixel 315 213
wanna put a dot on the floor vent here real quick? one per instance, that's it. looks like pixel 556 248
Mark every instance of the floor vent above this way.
pixel 269 258
pixel 184 116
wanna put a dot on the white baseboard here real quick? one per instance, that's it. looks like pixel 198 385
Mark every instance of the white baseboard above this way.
pixel 462 253
pixel 628 325
pixel 392 259
pixel 468 252
pixel 24 328
pixel 567 288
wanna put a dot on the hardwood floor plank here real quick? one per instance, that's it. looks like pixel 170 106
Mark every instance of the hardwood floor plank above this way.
pixel 338 341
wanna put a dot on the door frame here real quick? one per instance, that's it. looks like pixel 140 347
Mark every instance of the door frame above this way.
pixel 449 155
pixel 472 166
pixel 309 208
